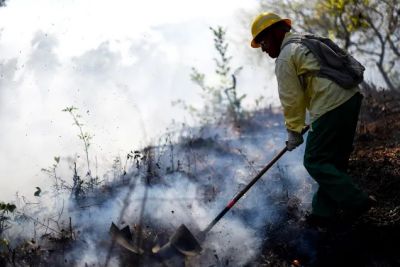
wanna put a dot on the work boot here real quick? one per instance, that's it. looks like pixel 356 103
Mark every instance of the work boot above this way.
pixel 316 221
pixel 372 201
pixel 352 215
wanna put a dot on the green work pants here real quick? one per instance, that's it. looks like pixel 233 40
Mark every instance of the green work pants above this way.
pixel 328 148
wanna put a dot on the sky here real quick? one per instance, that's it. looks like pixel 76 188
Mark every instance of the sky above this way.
pixel 121 63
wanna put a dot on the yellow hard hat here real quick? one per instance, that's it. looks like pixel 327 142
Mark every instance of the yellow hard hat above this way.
pixel 263 21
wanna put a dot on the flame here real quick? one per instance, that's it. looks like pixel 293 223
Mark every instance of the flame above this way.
pixel 296 263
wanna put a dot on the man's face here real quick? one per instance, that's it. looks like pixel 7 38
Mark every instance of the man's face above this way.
pixel 270 44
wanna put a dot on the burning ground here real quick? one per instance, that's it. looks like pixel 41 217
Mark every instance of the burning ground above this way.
pixel 189 175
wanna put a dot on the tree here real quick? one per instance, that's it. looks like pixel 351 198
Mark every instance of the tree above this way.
pixel 2 3
pixel 369 28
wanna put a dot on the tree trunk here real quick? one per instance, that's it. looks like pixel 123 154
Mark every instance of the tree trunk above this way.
pixel 385 76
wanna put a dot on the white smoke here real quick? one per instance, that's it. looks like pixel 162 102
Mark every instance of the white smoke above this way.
pixel 123 85
pixel 190 195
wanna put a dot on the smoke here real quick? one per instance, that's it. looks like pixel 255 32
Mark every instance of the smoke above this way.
pixel 121 72
pixel 123 80
pixel 190 184
pixel 113 96
pixel 188 181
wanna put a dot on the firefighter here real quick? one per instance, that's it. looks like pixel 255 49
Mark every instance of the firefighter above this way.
pixel 333 113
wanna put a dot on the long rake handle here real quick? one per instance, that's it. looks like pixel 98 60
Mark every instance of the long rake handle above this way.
pixel 241 193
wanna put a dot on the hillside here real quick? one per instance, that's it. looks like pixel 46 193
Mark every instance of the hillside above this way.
pixel 190 175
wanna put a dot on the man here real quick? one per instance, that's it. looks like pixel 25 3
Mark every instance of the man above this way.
pixel 333 118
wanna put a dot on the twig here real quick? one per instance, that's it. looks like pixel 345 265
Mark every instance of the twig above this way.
pixel 38 222
pixel 61 212
pixel 251 164
pixel 70 228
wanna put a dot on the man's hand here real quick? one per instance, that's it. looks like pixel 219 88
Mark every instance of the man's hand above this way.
pixel 294 140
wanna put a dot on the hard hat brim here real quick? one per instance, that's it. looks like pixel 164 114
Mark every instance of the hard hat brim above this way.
pixel 254 44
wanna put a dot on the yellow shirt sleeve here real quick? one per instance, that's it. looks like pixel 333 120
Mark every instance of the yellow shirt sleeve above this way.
pixel 291 94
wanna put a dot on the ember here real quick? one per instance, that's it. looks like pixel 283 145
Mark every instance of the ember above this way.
pixel 296 263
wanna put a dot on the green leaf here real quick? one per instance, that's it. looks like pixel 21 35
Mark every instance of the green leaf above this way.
pixel 242 97
pixel 38 191
pixel 7 207
pixel 4 242
pixel 11 207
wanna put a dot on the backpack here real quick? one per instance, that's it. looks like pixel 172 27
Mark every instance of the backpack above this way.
pixel 336 64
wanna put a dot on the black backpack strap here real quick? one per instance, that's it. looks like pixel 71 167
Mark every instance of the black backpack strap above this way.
pixel 291 41
pixel 297 40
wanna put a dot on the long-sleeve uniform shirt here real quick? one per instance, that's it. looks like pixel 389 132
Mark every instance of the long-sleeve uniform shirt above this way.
pixel 300 89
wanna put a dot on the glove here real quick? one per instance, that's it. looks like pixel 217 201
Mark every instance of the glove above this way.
pixel 294 140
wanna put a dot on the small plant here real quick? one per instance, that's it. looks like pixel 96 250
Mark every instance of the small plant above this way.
pixel 227 78
pixel 220 100
pixel 77 189
pixel 51 171
pixel 84 136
